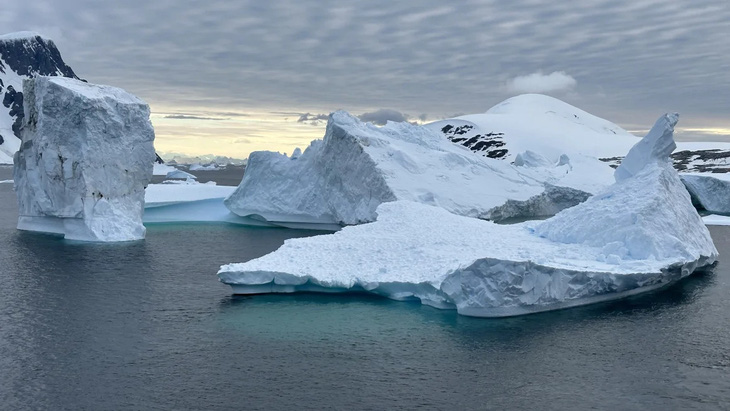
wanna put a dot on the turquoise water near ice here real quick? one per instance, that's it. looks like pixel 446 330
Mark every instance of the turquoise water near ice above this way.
pixel 146 325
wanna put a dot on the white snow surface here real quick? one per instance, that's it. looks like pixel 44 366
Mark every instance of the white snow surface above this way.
pixel 357 166
pixel 639 234
pixel 86 158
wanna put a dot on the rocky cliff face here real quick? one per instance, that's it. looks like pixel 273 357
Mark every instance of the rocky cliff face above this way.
pixel 23 55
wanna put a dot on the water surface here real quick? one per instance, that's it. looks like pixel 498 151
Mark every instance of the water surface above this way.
pixel 146 325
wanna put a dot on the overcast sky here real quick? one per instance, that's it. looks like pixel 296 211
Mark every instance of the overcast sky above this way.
pixel 233 76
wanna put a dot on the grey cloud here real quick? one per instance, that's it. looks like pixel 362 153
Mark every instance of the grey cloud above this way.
pixel 645 56
pixel 312 119
pixel 382 116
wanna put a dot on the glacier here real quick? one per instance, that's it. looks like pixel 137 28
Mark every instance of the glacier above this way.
pixel 84 162
pixel 638 234
pixel 342 179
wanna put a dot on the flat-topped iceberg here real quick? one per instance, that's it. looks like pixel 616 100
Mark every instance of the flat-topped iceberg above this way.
pixel 85 160
pixel 639 234
pixel 342 179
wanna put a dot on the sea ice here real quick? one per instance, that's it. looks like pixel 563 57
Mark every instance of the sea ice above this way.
pixel 85 159
pixel 639 234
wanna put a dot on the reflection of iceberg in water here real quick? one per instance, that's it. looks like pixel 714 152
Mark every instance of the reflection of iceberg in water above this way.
pixel 639 234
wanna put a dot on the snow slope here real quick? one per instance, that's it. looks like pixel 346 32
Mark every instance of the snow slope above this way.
pixel 639 234
pixel 342 179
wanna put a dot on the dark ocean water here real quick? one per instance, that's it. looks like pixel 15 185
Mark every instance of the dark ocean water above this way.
pixel 146 325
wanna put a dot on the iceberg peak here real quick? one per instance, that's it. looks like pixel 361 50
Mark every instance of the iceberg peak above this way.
pixel 655 147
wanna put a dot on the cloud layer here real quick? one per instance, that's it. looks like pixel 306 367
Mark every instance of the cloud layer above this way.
pixel 635 59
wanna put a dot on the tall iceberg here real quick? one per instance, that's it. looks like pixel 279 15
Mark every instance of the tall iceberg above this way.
pixel 84 162
pixel 639 234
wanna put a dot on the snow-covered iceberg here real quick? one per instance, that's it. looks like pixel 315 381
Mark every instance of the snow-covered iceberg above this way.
pixel 342 179
pixel 709 191
pixel 639 234
pixel 84 162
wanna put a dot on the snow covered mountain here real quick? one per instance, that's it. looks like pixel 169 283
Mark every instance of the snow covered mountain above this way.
pixel 23 55
pixel 538 123
pixel 550 127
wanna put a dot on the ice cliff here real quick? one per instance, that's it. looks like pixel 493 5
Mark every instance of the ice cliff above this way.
pixel 85 159
pixel 342 179
pixel 638 234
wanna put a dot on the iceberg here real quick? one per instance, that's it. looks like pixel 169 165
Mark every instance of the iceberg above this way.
pixel 84 162
pixel 709 191
pixel 342 179
pixel 639 234
pixel 180 175
pixel 204 167
pixel 187 201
